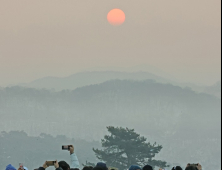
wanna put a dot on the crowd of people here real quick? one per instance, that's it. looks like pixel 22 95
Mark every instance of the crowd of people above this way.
pixel 74 165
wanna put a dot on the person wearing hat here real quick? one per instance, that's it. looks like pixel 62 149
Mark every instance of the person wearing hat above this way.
pixel 10 167
pixel 135 167
pixel 101 165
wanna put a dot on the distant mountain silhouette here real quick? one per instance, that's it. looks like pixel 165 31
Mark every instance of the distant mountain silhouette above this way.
pixel 146 68
pixel 89 78
pixel 214 90
pixel 96 77
pixel 120 102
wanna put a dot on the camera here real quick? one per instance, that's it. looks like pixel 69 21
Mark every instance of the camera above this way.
pixel 50 163
pixel 66 147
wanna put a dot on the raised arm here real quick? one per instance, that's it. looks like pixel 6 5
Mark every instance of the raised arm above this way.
pixel 74 159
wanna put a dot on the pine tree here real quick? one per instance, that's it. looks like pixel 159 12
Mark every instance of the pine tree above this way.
pixel 124 147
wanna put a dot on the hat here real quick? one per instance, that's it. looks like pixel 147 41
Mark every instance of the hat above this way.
pixel 134 167
pixel 10 167
pixel 102 165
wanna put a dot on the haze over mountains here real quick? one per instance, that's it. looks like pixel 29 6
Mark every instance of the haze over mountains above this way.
pixel 66 74
pixel 88 78
pixel 120 98
pixel 162 112
pixel 214 90
pixel 96 77
pixel 159 107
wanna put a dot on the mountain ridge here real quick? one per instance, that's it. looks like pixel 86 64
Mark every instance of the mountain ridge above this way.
pixel 97 77
pixel 122 102
pixel 88 78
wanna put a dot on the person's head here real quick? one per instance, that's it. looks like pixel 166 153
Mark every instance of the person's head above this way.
pixel 74 169
pixel 87 168
pixel 102 165
pixel 191 168
pixel 90 167
pixel 135 167
pixel 98 168
pixel 147 167
pixel 10 167
pixel 194 167
pixel 64 165
pixel 113 168
pixel 177 168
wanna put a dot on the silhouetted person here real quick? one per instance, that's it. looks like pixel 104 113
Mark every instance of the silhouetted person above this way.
pixel 147 167
pixel 56 165
pixel 135 167
pixel 87 168
pixel 98 168
pixel 10 167
pixel 177 168
pixel 192 167
pixel 64 165
pixel 101 165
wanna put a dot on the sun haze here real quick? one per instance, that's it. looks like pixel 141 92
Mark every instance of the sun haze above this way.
pixel 116 17
pixel 56 38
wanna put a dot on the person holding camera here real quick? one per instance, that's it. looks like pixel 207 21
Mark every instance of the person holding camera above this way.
pixel 48 163
pixel 74 160
pixel 193 167
pixel 62 165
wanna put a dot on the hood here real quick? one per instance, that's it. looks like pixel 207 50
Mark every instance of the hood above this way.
pixel 10 167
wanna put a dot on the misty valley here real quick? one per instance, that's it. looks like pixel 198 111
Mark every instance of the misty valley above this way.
pixel 183 121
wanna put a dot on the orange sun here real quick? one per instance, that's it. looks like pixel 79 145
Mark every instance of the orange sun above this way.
pixel 116 17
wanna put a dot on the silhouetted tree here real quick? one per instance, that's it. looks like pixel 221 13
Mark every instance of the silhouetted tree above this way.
pixel 124 147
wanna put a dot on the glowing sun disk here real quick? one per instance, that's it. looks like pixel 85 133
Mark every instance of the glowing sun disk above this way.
pixel 116 17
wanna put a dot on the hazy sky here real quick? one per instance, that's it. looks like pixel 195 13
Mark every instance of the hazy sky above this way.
pixel 41 38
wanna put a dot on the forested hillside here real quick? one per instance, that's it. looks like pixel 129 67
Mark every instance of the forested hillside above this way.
pixel 153 105
pixel 96 77
pixel 162 113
